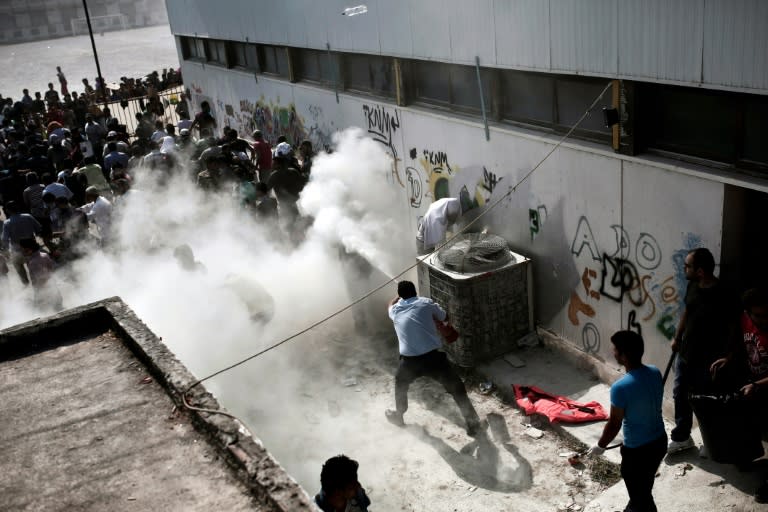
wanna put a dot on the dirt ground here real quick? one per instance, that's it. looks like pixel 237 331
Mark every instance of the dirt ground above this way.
pixel 329 397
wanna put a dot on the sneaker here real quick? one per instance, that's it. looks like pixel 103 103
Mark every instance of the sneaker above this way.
pixel 394 417
pixel 679 446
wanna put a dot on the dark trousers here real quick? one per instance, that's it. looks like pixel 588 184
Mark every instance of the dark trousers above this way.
pixel 434 365
pixel 17 260
pixel 638 469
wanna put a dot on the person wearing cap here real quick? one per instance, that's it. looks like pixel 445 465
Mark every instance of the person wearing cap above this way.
pixel 113 136
pixel 286 181
pixel 98 210
pixel 185 140
pixel 262 156
pixel 18 226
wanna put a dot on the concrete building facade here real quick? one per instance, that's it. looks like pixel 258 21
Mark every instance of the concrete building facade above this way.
pixel 609 217
pixel 29 20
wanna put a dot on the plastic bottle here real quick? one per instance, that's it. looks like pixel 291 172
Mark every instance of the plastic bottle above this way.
pixel 354 11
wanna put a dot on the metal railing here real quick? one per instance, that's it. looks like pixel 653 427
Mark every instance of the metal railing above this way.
pixel 168 99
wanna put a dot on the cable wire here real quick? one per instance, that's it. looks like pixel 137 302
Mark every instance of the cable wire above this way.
pixel 482 214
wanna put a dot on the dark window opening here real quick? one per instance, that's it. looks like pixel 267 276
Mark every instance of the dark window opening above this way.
pixel 216 51
pixel 574 95
pixel 369 73
pixel 527 97
pixel 722 126
pixel 243 55
pixel 450 85
pixel 273 60
pixel 316 66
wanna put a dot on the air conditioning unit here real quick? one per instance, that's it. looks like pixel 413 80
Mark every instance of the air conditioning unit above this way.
pixel 486 290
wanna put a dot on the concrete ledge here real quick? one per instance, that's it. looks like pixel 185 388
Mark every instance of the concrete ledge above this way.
pixel 270 485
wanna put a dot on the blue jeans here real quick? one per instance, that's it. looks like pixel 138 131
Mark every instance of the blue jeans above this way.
pixel 688 379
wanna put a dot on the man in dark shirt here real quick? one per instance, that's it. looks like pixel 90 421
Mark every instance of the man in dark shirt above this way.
pixel 204 121
pixel 701 338
pixel 287 183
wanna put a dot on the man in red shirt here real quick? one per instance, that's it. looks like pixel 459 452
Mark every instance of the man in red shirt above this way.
pixel 262 156
pixel 750 355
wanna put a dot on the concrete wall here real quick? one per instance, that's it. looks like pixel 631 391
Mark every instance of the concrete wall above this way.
pixel 710 43
pixel 607 234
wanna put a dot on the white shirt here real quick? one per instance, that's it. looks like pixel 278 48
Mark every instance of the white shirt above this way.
pixel 158 135
pixel 435 222
pixel 100 213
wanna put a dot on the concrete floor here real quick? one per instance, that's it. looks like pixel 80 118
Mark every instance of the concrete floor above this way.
pixel 82 429
pixel 326 394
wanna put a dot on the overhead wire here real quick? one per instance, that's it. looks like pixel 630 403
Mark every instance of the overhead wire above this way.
pixel 474 221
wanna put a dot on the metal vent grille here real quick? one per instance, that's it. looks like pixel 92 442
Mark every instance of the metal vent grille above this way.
pixel 475 252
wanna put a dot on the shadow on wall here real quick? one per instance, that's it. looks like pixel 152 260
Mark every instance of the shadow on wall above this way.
pixel 554 272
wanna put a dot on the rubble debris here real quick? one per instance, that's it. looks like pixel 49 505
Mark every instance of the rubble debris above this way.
pixel 534 432
pixel 685 468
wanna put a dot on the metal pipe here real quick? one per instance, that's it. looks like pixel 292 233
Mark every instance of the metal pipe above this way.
pixel 482 98
pixel 103 87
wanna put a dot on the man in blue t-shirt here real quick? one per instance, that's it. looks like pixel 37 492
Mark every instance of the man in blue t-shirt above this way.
pixel 414 318
pixel 636 406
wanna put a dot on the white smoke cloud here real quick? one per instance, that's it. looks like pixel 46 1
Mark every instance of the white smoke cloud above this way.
pixel 205 318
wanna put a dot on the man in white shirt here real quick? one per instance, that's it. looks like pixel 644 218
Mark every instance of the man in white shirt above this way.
pixel 441 214
pixel 99 212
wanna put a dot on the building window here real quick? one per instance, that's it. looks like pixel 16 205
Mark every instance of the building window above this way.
pixel 450 85
pixel 192 48
pixel 527 97
pixel 316 66
pixel 574 95
pixel 216 51
pixel 722 126
pixel 273 60
pixel 431 82
pixel 369 73
pixel 554 101
pixel 243 55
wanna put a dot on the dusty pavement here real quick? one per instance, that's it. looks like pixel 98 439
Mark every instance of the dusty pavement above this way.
pixel 326 394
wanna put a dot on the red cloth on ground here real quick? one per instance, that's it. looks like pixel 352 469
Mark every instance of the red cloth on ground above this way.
pixel 557 408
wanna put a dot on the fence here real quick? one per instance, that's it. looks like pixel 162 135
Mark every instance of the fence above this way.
pixel 126 115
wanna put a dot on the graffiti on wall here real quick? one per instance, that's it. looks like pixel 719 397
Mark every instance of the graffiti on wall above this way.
pixel 627 274
pixel 382 124
pixel 536 219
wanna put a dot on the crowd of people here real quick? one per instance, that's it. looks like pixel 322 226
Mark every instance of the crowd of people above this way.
pixel 60 180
